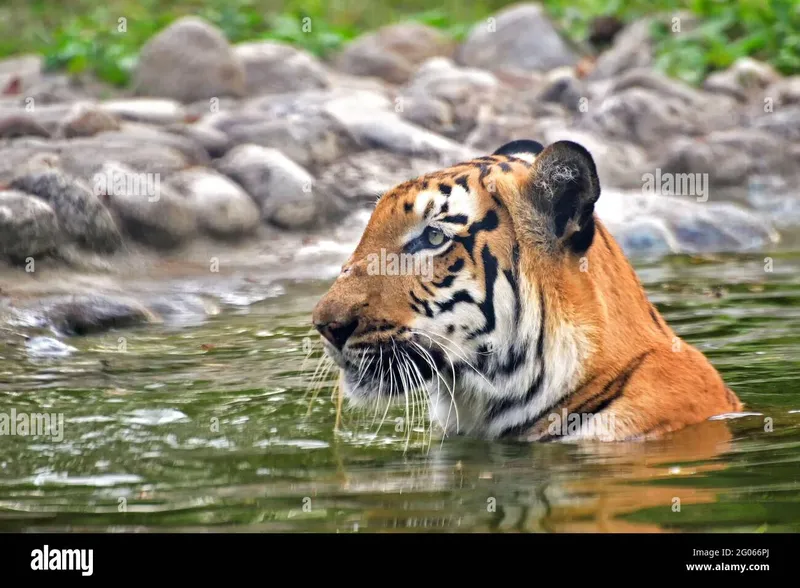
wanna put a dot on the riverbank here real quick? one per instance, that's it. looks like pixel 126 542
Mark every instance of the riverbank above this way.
pixel 260 151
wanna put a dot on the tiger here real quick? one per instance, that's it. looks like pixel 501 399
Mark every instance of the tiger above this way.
pixel 520 317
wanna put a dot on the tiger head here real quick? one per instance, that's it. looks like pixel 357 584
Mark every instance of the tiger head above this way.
pixel 467 284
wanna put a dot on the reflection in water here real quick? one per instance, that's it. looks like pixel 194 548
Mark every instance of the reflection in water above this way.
pixel 552 488
pixel 209 424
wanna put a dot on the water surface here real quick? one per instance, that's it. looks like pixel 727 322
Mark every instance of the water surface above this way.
pixel 211 424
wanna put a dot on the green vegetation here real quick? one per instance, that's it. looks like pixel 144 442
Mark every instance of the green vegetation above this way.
pixel 84 36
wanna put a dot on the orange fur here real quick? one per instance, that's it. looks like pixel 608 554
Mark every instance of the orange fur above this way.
pixel 632 364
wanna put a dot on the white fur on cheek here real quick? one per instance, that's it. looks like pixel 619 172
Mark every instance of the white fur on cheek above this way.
pixel 463 202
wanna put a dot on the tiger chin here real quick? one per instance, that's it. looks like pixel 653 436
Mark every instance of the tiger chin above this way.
pixel 511 308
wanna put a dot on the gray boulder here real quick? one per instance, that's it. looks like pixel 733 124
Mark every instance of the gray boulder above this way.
pixel 81 215
pixel 150 211
pixel 373 127
pixel 85 156
pixel 312 140
pixel 155 111
pixel 91 314
pixel 356 181
pixel 284 191
pixel 632 49
pixel 190 60
pixel 462 91
pixel 28 227
pixel 520 36
pixel 745 80
pixel 276 68
pixel 222 208
pixel 86 119
pixel 392 53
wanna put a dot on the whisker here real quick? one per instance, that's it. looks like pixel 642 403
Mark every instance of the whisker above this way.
pixel 444 347
pixel 380 387
pixel 423 393
pixel 440 380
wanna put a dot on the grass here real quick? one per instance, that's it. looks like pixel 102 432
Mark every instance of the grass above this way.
pixel 104 38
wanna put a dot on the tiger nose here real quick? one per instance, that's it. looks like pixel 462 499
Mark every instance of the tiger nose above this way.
pixel 337 332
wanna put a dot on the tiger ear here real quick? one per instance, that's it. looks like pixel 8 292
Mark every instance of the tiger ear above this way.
pixel 522 149
pixel 562 189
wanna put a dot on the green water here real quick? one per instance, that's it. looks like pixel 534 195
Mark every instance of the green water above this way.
pixel 211 426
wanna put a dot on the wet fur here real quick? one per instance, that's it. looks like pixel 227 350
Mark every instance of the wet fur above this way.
pixel 533 306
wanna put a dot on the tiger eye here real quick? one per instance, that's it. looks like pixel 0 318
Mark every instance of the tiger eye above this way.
pixel 435 237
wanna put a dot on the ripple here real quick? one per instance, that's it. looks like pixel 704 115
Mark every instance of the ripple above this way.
pixel 48 347
pixel 100 481
pixel 159 416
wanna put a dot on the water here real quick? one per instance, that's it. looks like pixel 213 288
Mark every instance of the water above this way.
pixel 210 425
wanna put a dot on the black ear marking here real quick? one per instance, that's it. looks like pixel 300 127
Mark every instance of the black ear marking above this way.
pixel 520 146
pixel 563 188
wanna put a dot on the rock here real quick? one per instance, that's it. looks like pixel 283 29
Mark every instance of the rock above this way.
pixel 150 211
pixel 28 227
pixel 656 224
pixel 190 60
pixel 182 309
pixel 358 180
pixel 428 112
pixel 283 190
pixel 654 81
pixel 784 92
pixel 464 91
pixel 276 68
pixel 81 215
pixel 203 108
pixel 745 80
pixel 643 117
pixel 370 61
pixel 154 111
pixel 393 52
pixel 375 128
pixel 86 120
pixel 14 125
pixel 223 209
pixel 701 111
pixel 19 153
pixel 562 87
pixel 47 118
pixel 729 157
pixel 41 347
pixel 632 49
pixel 20 74
pixel 344 82
pixel 311 140
pixel 92 314
pixel 495 130
pixel 149 136
pixel 783 122
pixel 519 36
pixel 214 142
pixel 63 89
pixel 311 102
pixel 37 163
pixel 774 197
pixel 84 157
